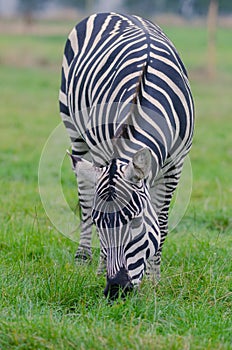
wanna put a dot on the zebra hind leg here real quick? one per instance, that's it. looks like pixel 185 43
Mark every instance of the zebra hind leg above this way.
pixel 153 264
pixel 161 198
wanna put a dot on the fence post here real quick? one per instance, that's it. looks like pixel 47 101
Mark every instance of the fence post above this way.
pixel 212 28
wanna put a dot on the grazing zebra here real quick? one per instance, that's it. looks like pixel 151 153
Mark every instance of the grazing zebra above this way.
pixel 126 102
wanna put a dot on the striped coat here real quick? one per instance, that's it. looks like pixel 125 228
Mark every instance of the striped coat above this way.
pixel 124 88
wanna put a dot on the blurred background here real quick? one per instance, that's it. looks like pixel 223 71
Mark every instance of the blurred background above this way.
pixel 32 39
pixel 56 17
pixel 186 8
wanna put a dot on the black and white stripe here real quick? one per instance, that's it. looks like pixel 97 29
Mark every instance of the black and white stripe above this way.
pixel 126 102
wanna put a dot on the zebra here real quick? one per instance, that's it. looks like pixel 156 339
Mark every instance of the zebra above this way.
pixel 126 102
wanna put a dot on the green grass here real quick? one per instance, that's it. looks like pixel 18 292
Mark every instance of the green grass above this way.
pixel 46 301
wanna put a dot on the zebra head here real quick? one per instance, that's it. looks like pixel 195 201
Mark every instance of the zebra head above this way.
pixel 122 213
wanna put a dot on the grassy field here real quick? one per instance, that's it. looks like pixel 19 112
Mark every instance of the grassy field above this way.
pixel 46 301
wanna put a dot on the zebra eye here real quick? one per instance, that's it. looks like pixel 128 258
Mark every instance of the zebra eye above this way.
pixel 137 222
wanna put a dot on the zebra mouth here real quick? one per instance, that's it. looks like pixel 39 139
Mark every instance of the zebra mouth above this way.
pixel 118 286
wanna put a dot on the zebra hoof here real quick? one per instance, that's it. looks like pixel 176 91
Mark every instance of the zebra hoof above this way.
pixel 100 272
pixel 101 268
pixel 83 256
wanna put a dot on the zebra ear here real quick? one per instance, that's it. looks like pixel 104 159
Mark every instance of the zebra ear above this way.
pixel 74 159
pixel 83 168
pixel 140 166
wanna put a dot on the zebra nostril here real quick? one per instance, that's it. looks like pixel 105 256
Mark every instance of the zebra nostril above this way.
pixel 117 286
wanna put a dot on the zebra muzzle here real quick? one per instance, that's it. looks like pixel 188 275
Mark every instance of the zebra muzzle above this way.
pixel 119 285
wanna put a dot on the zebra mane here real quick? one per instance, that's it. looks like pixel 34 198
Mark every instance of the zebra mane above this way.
pixel 122 131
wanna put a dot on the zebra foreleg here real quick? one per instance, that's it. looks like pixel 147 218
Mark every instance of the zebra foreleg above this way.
pixel 85 194
pixel 85 183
